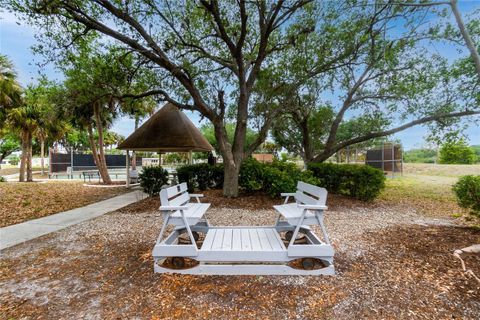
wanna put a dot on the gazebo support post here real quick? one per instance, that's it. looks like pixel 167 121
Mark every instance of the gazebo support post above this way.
pixel 190 157
pixel 127 183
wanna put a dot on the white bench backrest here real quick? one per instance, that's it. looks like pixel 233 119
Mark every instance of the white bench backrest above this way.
pixel 176 195
pixel 310 194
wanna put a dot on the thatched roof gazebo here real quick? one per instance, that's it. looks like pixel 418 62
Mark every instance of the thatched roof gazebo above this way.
pixel 168 130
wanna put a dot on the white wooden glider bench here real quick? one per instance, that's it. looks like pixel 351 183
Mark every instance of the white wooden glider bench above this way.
pixel 244 250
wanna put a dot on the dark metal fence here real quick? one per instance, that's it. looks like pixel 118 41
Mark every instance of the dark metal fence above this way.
pixel 387 157
pixel 60 162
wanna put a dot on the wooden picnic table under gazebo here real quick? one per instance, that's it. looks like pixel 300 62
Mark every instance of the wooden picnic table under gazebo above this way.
pixel 168 130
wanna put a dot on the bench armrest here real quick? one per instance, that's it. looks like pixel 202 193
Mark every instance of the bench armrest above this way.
pixel 312 207
pixel 287 194
pixel 173 208
pixel 196 195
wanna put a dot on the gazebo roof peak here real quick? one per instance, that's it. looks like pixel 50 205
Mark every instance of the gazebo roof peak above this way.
pixel 168 130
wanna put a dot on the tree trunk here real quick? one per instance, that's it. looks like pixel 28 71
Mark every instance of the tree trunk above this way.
pixel 42 154
pixel 23 159
pixel 230 180
pixel 231 168
pixel 102 164
pixel 29 159
pixel 306 141
pixel 134 155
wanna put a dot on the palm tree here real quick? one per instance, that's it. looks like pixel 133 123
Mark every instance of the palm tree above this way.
pixel 51 129
pixel 10 90
pixel 24 120
pixel 50 123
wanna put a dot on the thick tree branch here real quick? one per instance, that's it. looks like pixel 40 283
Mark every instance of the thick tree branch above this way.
pixel 438 117
pixel 164 97
pixel 163 61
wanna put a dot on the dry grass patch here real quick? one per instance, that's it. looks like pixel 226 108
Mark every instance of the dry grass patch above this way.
pixel 20 202
pixel 8 171
pixel 443 170
pixel 429 195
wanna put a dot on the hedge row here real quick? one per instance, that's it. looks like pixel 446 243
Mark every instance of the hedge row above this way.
pixel 357 181
pixel 361 182
pixel 201 176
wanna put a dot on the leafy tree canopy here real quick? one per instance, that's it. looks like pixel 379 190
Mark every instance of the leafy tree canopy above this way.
pixel 457 152
pixel 208 132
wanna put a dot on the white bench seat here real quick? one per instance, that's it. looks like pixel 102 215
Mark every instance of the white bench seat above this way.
pixel 292 213
pixel 179 211
pixel 307 209
pixel 193 214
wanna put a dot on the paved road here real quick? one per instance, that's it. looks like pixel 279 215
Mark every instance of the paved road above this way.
pixel 18 233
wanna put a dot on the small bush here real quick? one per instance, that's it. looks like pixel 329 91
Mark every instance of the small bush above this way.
pixel 152 179
pixel 2 179
pixel 467 190
pixel 201 176
pixel 251 175
pixel 14 160
pixel 283 177
pixel 357 181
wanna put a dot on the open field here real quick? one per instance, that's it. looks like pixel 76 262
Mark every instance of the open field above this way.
pixel 428 189
pixel 442 170
pixel 431 195
pixel 24 201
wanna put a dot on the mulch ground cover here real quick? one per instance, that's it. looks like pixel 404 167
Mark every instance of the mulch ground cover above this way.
pixel 403 273
pixel 20 202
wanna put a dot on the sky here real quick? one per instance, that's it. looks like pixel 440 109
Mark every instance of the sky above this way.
pixel 17 39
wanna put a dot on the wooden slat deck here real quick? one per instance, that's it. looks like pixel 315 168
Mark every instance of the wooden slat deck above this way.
pixel 243 239
pixel 241 244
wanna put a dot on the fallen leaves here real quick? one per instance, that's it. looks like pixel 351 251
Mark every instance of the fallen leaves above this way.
pixel 20 202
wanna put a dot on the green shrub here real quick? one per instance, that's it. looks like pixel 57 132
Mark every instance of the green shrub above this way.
pixel 361 182
pixel 277 181
pixel 14 160
pixel 357 181
pixel 251 175
pixel 467 190
pixel 283 177
pixel 254 176
pixel 457 152
pixel 201 176
pixel 2 179
pixel 152 179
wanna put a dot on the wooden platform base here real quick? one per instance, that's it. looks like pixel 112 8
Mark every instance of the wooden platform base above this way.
pixel 247 269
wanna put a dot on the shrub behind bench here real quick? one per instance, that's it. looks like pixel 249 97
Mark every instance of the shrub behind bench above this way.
pixel 361 182
pixel 357 181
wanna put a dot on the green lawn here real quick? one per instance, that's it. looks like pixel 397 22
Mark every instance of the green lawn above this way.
pixel 430 194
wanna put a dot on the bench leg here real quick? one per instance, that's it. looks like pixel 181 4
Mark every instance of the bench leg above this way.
pixel 297 228
pixel 190 234
pixel 324 231
pixel 164 226
pixel 278 219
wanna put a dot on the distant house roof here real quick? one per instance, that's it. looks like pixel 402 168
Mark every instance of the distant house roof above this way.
pixel 263 157
pixel 168 130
